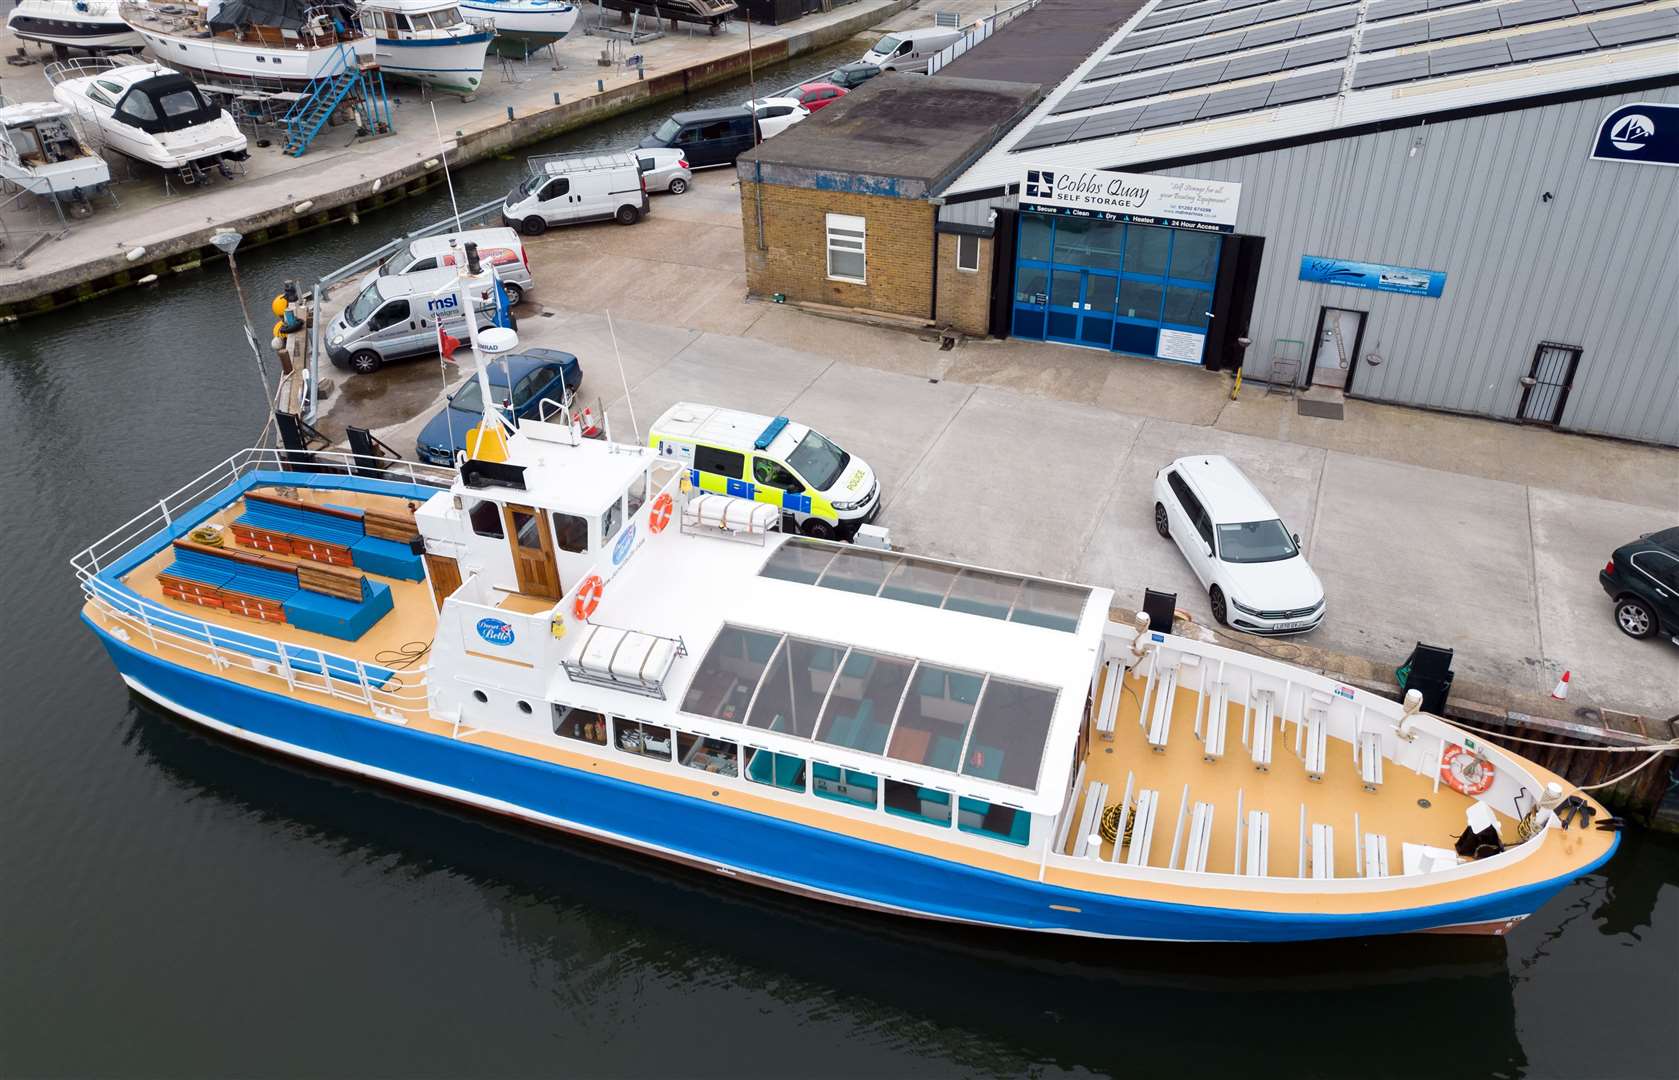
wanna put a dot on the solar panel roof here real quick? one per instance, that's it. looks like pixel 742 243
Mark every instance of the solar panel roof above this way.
pixel 1189 60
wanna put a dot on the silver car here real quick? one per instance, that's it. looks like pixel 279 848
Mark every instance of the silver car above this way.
pixel 665 169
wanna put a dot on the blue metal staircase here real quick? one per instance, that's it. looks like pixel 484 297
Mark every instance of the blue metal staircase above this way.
pixel 347 79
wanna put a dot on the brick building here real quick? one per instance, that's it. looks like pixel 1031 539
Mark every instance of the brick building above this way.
pixel 839 209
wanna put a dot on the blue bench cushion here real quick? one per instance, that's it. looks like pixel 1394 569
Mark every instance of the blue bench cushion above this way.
pixel 304 523
pixel 262 582
pixel 337 617
pixel 195 566
pixel 387 558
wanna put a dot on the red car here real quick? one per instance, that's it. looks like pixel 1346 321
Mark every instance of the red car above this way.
pixel 819 95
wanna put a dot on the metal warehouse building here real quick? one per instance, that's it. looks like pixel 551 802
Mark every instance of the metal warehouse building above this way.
pixel 1470 206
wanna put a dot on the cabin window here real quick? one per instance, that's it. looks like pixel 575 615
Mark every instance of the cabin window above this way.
pixel 445 18
pixel 138 106
pixel 844 785
pixel 933 723
pixel 637 495
pixel 864 699
pixel 1007 741
pixel 99 96
pixel 114 88
pixel 790 696
pixel 372 21
pixel 918 803
pixel 579 724
pixel 527 530
pixel 708 755
pixel 722 462
pixel 722 687
pixel 401 21
pixel 994 820
pixel 571 532
pixel 645 740
pixel 486 519
pixel 611 520
pixel 777 770
pixel 847 248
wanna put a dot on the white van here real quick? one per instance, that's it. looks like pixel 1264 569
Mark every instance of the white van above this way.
pixel 580 187
pixel 498 247
pixel 396 317
pixel 909 50
pixel 822 490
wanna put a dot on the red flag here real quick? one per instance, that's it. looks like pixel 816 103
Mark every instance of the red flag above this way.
pixel 446 344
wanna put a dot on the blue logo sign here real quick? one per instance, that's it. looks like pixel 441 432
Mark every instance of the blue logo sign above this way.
pixel 444 303
pixel 1644 132
pixel 495 631
pixel 1375 276
pixel 621 550
pixel 1040 184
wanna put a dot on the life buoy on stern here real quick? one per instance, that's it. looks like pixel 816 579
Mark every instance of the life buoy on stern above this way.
pixel 659 516
pixel 1465 771
pixel 588 596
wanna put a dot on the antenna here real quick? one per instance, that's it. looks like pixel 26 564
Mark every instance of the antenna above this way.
pixel 625 379
pixel 444 155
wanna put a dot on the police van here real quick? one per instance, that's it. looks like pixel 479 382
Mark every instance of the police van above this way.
pixel 822 490
pixel 396 316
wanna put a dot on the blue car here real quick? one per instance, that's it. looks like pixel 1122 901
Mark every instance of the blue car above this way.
pixel 536 376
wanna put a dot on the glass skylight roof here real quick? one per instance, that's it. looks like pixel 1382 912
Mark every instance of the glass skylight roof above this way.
pixel 921 713
pixel 1007 597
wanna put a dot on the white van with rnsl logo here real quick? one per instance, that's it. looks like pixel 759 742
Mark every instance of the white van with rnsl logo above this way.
pixel 396 317
pixel 909 50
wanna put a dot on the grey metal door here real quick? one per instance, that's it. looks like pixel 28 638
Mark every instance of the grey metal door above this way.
pixel 1545 390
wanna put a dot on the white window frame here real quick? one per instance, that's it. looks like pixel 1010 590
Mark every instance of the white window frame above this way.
pixel 960 237
pixel 852 239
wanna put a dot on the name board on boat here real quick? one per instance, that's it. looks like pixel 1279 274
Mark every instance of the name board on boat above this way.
pixel 621 550
pixel 496 631
pixel 1178 202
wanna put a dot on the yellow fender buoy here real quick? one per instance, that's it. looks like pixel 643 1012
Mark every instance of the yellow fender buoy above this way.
pixel 278 307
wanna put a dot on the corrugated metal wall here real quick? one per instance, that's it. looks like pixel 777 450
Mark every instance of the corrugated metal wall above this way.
pixel 1597 266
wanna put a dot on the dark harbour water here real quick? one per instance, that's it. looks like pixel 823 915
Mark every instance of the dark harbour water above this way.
pixel 172 904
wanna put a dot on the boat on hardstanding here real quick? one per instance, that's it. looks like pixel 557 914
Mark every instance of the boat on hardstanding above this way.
pixel 150 113
pixel 92 25
pixel 573 632
pixel 428 41
pixel 42 152
pixel 270 43
pixel 523 25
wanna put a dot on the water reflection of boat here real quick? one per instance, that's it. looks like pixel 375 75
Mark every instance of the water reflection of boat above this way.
pixel 711 13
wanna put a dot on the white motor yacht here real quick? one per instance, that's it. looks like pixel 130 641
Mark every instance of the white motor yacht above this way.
pixel 522 25
pixel 41 152
pixel 94 25
pixel 282 43
pixel 428 41
pixel 150 113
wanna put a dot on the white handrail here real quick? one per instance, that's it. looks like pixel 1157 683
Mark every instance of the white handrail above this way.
pixel 981 30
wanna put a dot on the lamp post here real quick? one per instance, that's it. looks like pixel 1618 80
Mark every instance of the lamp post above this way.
pixel 226 242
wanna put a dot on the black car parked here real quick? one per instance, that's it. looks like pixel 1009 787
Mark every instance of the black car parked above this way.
pixel 1643 579
pixel 707 137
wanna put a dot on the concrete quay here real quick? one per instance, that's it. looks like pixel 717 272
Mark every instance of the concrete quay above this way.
pixel 341 177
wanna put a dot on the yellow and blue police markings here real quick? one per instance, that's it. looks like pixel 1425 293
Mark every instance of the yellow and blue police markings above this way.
pixel 797 502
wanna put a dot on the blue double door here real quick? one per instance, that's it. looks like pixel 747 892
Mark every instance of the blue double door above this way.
pixel 1081 306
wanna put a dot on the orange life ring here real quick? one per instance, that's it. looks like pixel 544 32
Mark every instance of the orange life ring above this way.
pixel 659 516
pixel 1465 772
pixel 588 596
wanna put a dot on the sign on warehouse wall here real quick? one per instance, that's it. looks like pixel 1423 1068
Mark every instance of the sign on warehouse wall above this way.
pixel 1644 132
pixel 1379 277
pixel 1175 201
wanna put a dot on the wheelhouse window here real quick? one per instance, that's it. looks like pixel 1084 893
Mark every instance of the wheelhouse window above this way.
pixel 571 533
pixel 645 740
pixel 486 518
pixel 611 520
pixel 637 494
pixel 708 755
pixel 847 253
pixel 580 724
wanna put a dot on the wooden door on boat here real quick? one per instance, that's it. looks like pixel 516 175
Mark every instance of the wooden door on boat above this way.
pixel 533 553
pixel 445 575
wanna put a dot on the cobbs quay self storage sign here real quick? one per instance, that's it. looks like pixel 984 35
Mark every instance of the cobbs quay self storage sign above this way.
pixel 1175 201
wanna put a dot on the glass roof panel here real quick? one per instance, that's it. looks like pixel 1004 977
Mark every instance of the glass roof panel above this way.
pixel 979 592
pixel 790 696
pixel 1051 604
pixel 933 723
pixel 723 685
pixel 918 582
pixel 864 698
pixel 858 570
pixel 803 563
pixel 1007 743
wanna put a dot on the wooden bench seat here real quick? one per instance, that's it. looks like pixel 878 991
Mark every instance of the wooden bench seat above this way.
pixel 320 599
pixel 378 541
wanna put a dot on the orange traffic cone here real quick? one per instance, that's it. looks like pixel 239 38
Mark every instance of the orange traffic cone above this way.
pixel 1561 692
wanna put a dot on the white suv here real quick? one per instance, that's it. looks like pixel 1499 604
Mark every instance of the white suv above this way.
pixel 1246 558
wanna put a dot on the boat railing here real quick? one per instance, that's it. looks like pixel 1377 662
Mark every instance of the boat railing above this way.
pixel 324 285
pixel 81 67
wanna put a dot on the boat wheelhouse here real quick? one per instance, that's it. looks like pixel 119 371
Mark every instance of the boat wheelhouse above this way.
pixel 267 43
pixel 91 25
pixel 567 631
pixel 428 41
pixel 150 113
